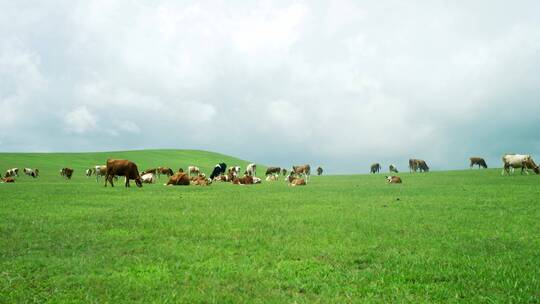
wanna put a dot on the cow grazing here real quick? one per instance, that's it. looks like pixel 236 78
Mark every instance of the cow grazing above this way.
pixel 284 171
pixel 514 161
pixel 245 180
pixel 393 179
pixel 418 164
pixel 375 168
pixel 393 168
pixel 100 170
pixel 295 181
pixel 66 172
pixel 478 161
pixel 319 171
pixel 7 180
pixel 251 169
pixel 193 170
pixel 219 169
pixel 148 178
pixel 13 172
pixel 122 167
pixel 88 172
pixel 165 171
pixel 272 171
pixel 31 172
pixel 178 179
pixel 304 170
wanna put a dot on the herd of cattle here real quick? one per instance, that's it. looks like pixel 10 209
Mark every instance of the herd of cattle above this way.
pixel 298 175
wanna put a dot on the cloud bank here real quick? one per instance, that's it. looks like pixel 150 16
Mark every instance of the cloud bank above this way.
pixel 341 84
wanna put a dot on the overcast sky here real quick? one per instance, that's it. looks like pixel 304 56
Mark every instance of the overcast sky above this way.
pixel 340 84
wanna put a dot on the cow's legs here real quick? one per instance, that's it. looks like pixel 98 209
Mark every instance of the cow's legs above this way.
pixel 127 181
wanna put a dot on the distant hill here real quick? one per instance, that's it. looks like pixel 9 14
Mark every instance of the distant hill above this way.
pixel 51 163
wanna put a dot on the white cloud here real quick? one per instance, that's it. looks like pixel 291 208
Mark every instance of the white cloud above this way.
pixel 80 120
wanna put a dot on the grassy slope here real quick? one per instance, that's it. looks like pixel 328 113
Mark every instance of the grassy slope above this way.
pixel 451 236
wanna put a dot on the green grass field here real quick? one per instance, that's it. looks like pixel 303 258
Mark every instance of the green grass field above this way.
pixel 455 236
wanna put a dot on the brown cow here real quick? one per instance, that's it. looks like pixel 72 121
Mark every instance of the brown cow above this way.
pixel 151 170
pixel 122 167
pixel 418 164
pixel 301 170
pixel 478 161
pixel 201 180
pixel 165 171
pixel 319 170
pixel 393 179
pixel 295 181
pixel 8 180
pixel 245 180
pixel 178 179
pixel 66 172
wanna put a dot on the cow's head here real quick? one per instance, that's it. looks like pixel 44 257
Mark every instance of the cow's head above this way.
pixel 138 181
pixel 536 170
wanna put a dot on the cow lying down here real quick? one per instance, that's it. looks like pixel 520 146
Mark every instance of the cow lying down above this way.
pixel 7 180
pixel 293 181
pixel 393 179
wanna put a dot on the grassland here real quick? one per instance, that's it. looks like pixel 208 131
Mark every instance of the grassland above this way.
pixel 456 236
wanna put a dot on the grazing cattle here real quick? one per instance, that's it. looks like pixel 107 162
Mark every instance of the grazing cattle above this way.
pixel 122 167
pixel 514 161
pixel 295 181
pixel 393 179
pixel 284 171
pixel 478 161
pixel 393 168
pixel 193 170
pixel 251 169
pixel 235 170
pixel 418 164
pixel 218 170
pixel 245 180
pixel 66 172
pixel 319 170
pixel 31 172
pixel 178 179
pixel 272 178
pixel 88 172
pixel 13 172
pixel 272 171
pixel 8 180
pixel 165 171
pixel 304 170
pixel 375 168
pixel 201 180
pixel 148 178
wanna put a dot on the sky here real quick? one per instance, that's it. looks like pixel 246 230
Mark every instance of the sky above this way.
pixel 341 84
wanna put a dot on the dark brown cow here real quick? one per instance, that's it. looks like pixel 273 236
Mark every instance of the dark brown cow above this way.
pixel 284 171
pixel 478 161
pixel 273 170
pixel 375 168
pixel 319 170
pixel 178 179
pixel 418 164
pixel 66 172
pixel 122 167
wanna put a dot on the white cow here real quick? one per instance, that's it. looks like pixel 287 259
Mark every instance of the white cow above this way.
pixel 393 168
pixel 148 178
pixel 234 170
pixel 256 180
pixel 100 170
pixel 31 172
pixel 251 169
pixel 514 161
pixel 272 177
pixel 12 172
pixel 193 169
